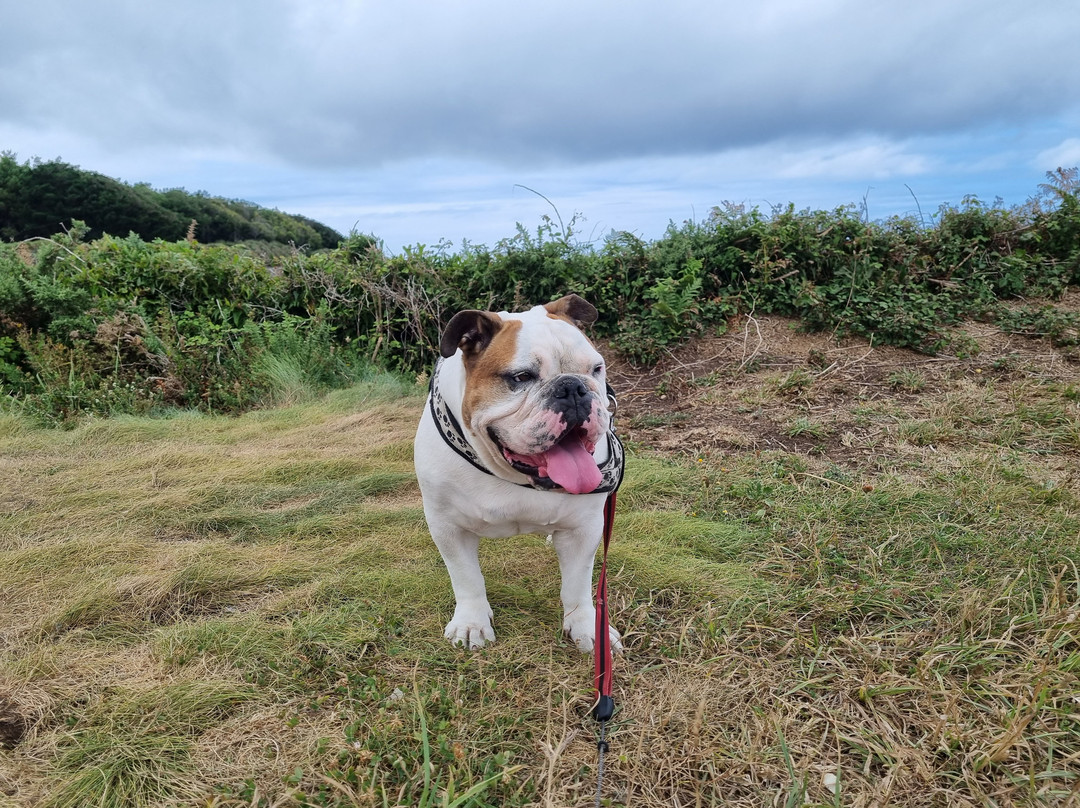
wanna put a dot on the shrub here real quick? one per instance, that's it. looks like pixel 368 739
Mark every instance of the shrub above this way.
pixel 123 324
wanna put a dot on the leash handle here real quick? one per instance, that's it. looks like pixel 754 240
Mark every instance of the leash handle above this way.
pixel 602 654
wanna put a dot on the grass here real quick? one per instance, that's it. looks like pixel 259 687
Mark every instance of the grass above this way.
pixel 803 427
pixel 908 380
pixel 248 612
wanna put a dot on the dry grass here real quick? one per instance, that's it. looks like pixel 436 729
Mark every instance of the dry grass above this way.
pixel 847 598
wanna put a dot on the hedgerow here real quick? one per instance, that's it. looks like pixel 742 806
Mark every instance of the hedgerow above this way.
pixel 96 327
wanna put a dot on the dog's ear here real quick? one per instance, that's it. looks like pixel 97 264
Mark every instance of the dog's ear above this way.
pixel 576 309
pixel 469 330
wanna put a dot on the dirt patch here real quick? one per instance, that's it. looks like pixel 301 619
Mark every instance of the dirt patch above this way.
pixel 767 385
pixel 12 726
pixel 21 707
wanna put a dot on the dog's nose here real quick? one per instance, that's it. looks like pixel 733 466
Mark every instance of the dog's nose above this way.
pixel 571 397
pixel 570 387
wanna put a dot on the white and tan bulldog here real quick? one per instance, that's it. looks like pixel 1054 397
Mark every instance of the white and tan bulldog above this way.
pixel 516 438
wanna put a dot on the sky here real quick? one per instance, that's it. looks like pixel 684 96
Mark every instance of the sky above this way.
pixel 428 121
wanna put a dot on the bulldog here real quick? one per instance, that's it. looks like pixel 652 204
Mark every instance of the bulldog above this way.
pixel 516 438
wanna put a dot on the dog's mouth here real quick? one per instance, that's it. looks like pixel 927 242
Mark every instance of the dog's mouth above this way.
pixel 567 463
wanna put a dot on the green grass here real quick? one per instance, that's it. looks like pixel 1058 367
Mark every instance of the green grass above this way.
pixel 908 380
pixel 248 611
pixel 134 747
pixel 803 427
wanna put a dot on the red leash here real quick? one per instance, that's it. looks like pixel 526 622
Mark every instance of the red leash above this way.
pixel 602 651
pixel 605 704
pixel 602 657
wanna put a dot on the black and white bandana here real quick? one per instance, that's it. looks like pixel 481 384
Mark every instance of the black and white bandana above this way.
pixel 611 470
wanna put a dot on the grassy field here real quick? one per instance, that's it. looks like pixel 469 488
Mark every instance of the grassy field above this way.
pixel 839 583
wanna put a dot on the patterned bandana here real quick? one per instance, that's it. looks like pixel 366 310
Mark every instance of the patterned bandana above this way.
pixel 451 432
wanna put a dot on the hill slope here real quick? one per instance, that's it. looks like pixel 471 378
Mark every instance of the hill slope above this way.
pixel 38 198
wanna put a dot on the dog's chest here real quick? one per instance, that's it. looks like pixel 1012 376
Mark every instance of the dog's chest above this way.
pixel 499 515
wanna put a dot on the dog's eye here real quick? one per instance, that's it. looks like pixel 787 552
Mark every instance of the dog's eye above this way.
pixel 596 371
pixel 522 377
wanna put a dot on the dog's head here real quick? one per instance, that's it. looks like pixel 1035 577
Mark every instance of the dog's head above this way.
pixel 535 390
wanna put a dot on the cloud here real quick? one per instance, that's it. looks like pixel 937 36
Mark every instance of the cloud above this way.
pixel 416 119
pixel 365 83
pixel 875 159
pixel 1064 155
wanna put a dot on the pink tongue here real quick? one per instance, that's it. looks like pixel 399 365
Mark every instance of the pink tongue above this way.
pixel 571 466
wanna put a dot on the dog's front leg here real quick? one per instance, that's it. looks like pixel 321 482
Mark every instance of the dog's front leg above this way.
pixel 471 623
pixel 577 550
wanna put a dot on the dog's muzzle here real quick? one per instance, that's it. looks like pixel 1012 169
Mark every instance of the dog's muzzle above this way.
pixel 572 399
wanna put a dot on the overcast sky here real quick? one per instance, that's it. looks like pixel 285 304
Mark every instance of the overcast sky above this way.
pixel 418 120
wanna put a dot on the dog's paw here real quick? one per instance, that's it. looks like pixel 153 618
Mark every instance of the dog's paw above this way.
pixel 470 627
pixel 582 630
